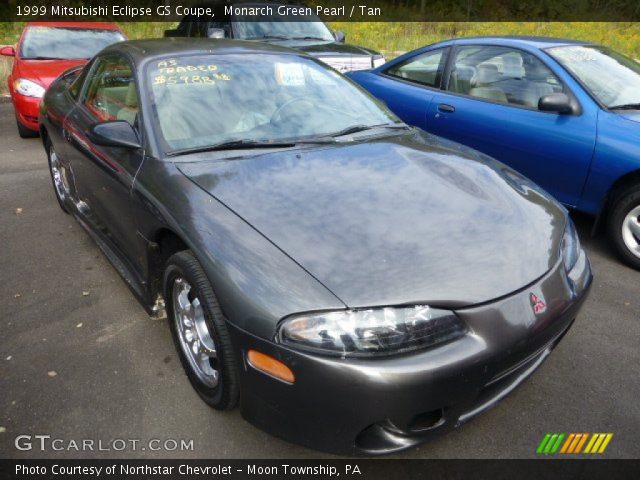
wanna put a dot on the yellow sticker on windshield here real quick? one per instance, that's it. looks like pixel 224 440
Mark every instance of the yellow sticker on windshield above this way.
pixel 289 74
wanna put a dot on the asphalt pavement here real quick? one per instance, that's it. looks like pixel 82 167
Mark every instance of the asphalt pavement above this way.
pixel 80 359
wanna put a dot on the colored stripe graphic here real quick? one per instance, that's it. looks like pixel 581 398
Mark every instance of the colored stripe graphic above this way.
pixel 543 443
pixel 598 442
pixel 567 442
pixel 607 439
pixel 583 438
pixel 573 443
pixel 550 443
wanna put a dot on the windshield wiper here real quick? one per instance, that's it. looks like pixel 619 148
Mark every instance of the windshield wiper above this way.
pixel 268 37
pixel 309 38
pixel 362 128
pixel 247 145
pixel 626 106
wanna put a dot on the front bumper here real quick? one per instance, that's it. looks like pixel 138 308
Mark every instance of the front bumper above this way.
pixel 27 110
pixel 383 405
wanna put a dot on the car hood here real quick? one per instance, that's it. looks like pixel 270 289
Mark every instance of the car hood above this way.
pixel 329 48
pixel 46 71
pixel 341 56
pixel 633 115
pixel 395 221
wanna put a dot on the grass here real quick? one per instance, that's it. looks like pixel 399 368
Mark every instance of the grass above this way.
pixel 395 38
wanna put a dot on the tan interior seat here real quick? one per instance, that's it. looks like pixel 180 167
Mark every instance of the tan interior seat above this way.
pixel 486 76
pixel 537 86
pixel 130 110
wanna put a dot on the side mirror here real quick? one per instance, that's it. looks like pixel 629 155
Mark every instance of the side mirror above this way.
pixel 172 33
pixel 555 102
pixel 8 51
pixel 339 36
pixel 116 133
pixel 215 32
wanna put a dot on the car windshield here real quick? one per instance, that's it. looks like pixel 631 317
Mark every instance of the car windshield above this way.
pixel 66 43
pixel 277 27
pixel 611 77
pixel 204 101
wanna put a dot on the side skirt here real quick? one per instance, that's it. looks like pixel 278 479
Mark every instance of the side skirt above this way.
pixel 154 308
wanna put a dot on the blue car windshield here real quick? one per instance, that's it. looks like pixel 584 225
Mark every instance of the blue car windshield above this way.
pixel 611 77
pixel 207 100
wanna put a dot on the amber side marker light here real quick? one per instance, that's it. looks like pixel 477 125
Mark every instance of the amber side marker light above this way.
pixel 270 366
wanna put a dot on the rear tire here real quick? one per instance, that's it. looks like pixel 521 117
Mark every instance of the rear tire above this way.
pixel 624 226
pixel 25 132
pixel 199 332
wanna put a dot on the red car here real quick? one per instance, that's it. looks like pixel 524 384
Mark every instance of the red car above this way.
pixel 45 50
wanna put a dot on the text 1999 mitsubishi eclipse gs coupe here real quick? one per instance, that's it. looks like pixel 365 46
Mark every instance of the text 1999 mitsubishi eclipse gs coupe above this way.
pixel 358 285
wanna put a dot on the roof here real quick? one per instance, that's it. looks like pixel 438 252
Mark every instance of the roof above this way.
pixel 143 49
pixel 531 41
pixel 90 25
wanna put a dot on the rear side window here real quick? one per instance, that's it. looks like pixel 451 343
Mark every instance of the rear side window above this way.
pixel 503 75
pixel 425 69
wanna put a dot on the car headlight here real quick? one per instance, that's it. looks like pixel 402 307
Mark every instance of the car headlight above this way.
pixel 378 61
pixel 570 246
pixel 372 331
pixel 28 88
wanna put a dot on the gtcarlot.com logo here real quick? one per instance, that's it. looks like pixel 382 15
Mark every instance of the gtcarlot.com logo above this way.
pixel 574 443
pixel 48 443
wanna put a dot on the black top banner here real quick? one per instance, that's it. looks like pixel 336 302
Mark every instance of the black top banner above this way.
pixel 327 10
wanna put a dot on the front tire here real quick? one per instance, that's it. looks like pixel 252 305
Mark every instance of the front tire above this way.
pixel 624 226
pixel 199 332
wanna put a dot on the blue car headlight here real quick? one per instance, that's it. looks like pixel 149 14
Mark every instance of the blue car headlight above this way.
pixel 570 246
pixel 376 331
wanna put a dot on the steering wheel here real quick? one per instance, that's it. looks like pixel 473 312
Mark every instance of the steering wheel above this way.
pixel 275 118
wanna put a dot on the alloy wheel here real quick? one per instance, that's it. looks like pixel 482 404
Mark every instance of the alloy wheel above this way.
pixel 59 175
pixel 631 231
pixel 195 337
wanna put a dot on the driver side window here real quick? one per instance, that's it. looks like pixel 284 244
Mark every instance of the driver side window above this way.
pixel 503 75
pixel 112 93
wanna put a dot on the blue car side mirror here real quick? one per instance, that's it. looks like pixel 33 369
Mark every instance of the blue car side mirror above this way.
pixel 556 102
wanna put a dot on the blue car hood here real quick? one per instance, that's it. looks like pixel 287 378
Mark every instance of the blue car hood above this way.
pixel 393 221
pixel 634 116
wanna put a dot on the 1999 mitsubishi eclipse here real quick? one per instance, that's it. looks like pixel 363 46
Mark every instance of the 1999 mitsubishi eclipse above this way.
pixel 357 285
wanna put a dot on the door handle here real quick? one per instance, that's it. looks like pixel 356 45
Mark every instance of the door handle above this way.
pixel 443 107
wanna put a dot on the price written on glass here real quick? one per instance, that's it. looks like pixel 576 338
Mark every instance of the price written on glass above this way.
pixel 170 73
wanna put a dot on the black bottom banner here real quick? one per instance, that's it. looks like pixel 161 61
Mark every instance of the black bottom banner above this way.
pixel 346 469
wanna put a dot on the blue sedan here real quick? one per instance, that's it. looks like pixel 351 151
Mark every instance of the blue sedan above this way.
pixel 564 113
